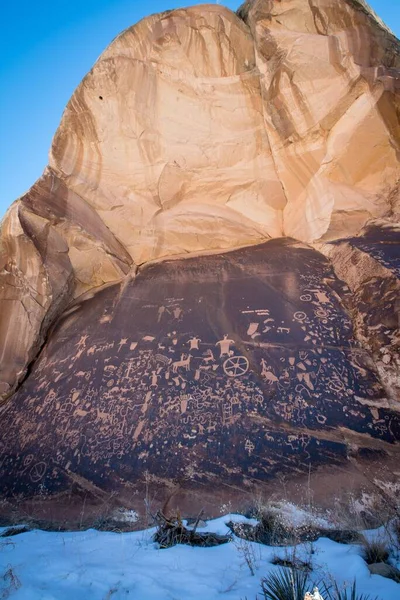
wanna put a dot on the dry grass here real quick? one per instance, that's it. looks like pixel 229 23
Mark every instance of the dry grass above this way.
pixel 171 531
pixel 374 551
pixel 10 582
pixel 292 563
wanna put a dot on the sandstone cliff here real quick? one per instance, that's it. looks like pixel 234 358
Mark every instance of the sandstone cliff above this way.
pixel 200 131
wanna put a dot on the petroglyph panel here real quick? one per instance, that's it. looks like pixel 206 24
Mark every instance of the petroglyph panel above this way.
pixel 242 366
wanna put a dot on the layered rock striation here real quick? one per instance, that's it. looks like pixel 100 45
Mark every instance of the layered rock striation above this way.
pixel 200 131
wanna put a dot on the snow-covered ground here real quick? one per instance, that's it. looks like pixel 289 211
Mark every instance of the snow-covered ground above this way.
pixel 110 566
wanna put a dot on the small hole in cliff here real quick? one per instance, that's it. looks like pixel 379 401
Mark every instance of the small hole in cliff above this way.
pixel 101 97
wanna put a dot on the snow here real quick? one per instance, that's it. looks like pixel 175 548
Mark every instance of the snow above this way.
pixel 97 565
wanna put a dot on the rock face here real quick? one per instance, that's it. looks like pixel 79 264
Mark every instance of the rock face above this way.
pixel 200 131
pixel 223 371
pixel 329 79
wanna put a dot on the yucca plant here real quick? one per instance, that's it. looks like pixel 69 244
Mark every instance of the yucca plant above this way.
pixel 290 584
pixel 285 584
pixel 334 592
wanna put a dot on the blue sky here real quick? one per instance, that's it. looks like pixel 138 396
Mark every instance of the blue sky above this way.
pixel 46 47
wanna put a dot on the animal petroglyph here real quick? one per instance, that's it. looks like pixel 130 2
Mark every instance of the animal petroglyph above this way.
pixel 183 363
pixel 267 373
pixel 208 356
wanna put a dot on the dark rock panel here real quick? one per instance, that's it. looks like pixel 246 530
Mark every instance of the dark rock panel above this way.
pixel 218 372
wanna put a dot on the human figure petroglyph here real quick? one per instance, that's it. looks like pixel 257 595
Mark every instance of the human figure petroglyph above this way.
pixel 129 369
pixel 225 345
pixel 183 363
pixel 194 343
pixel 249 447
pixel 82 341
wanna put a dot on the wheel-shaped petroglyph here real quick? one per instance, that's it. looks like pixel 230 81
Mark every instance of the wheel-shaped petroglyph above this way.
pixel 300 315
pixel 235 366
pixel 37 471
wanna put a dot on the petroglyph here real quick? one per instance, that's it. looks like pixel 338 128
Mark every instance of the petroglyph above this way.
pixel 225 345
pixel 194 343
pixel 252 330
pixel 236 366
pixel 196 387
pixel 183 363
